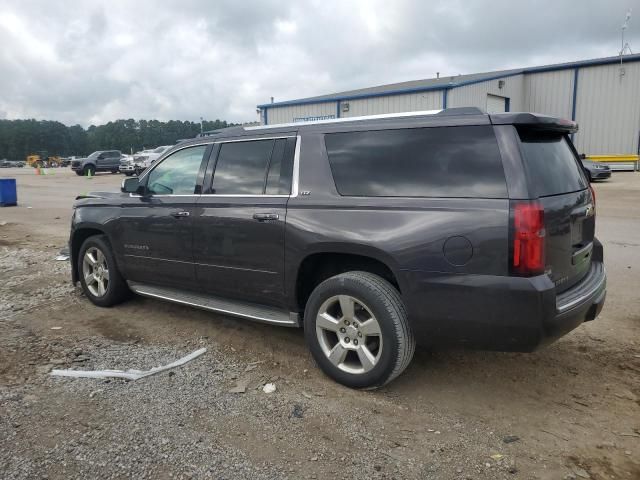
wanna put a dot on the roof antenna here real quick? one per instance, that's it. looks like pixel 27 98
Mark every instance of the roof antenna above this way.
pixel 625 45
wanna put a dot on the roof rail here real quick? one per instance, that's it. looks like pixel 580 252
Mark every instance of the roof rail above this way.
pixel 455 111
pixel 462 111
pixel 219 131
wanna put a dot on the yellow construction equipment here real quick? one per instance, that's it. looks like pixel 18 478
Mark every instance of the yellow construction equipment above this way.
pixel 42 159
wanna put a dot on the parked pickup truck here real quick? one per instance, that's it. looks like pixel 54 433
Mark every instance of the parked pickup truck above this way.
pixel 142 160
pixel 100 161
pixel 373 233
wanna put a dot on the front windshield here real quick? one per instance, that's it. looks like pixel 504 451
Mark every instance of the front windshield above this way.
pixel 94 154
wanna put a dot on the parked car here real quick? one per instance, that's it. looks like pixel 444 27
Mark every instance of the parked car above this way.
pixel 126 165
pixel 11 163
pixel 142 160
pixel 148 157
pixel 100 161
pixel 371 233
pixel 596 170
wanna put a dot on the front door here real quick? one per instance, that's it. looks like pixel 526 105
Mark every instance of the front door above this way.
pixel 155 229
pixel 239 227
pixel 108 161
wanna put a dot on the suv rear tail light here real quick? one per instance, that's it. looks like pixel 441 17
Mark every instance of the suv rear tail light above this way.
pixel 528 238
pixel 593 196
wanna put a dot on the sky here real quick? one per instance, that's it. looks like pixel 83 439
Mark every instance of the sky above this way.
pixel 90 62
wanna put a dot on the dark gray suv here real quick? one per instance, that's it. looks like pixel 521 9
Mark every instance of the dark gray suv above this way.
pixel 445 228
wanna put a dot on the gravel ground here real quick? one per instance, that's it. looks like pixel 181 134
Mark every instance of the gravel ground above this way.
pixel 570 411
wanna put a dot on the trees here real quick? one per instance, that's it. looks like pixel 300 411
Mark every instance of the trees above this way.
pixel 19 138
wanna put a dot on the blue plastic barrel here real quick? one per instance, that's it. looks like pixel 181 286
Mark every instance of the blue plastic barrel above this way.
pixel 8 192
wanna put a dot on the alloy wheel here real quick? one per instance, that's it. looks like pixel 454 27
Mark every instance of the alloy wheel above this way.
pixel 349 334
pixel 95 271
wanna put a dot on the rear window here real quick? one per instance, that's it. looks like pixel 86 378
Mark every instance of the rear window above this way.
pixel 551 164
pixel 417 162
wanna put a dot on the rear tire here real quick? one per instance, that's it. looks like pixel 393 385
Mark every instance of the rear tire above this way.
pixel 99 276
pixel 357 329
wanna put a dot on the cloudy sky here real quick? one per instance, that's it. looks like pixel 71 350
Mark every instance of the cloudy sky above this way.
pixel 94 61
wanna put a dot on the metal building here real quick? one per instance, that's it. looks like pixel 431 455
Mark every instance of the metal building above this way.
pixel 602 95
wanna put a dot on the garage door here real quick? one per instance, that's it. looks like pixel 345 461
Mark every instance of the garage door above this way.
pixel 496 104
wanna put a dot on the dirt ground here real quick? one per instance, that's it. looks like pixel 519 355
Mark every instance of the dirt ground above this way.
pixel 569 411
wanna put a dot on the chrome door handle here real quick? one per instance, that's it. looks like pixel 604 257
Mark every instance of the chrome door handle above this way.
pixel 180 214
pixel 261 217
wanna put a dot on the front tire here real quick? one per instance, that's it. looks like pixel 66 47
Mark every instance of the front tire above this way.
pixel 357 330
pixel 89 170
pixel 98 273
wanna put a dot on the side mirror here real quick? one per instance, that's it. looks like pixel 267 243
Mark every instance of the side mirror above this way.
pixel 130 185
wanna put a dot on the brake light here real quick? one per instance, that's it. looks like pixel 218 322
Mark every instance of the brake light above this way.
pixel 528 238
pixel 593 196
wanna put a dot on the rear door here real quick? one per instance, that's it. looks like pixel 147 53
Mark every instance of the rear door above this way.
pixel 556 177
pixel 239 227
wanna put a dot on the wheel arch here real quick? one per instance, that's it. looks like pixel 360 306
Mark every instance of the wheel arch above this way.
pixel 78 237
pixel 321 264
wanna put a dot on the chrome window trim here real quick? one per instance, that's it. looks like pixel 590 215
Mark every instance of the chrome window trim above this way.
pixel 294 175
pixel 237 195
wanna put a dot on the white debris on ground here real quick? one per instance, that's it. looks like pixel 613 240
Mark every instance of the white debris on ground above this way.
pixel 130 374
pixel 269 388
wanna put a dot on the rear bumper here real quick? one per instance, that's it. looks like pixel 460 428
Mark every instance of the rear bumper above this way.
pixel 499 313
pixel 600 174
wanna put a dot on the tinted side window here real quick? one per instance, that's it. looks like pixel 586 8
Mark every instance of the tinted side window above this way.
pixel 177 174
pixel 418 162
pixel 552 166
pixel 241 168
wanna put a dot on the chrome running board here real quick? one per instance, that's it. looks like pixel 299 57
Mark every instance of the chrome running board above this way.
pixel 251 311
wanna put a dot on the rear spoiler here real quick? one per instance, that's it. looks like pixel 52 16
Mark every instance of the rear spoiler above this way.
pixel 536 121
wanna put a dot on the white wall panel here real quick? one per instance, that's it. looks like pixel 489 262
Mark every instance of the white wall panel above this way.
pixel 475 95
pixel 608 109
pixel 411 102
pixel 550 93
pixel 289 113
